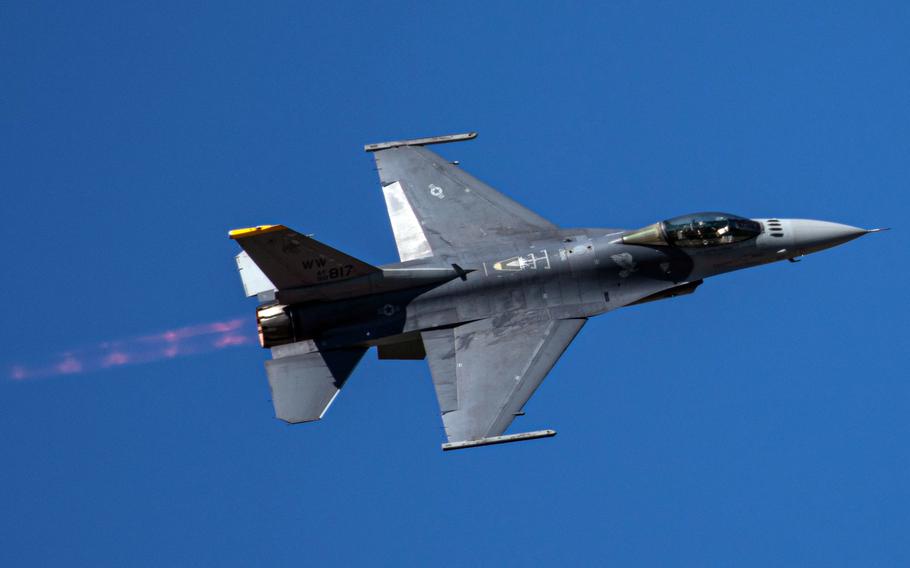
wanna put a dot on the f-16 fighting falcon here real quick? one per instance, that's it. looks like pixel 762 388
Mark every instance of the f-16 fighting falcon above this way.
pixel 489 292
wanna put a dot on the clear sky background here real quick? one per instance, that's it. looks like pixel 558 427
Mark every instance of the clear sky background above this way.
pixel 762 421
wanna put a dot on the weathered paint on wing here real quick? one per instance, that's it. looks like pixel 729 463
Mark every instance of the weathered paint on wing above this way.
pixel 485 371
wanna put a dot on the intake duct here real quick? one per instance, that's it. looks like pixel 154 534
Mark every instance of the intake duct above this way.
pixel 275 324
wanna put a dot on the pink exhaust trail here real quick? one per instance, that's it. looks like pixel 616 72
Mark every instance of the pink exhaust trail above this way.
pixel 170 344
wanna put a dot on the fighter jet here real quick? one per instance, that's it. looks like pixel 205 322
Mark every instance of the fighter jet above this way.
pixel 489 292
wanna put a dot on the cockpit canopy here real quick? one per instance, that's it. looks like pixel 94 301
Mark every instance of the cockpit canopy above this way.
pixel 696 230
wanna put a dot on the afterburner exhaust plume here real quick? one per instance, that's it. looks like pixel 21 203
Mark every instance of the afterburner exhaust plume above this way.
pixel 170 344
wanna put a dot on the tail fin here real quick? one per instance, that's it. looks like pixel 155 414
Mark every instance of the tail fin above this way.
pixel 291 260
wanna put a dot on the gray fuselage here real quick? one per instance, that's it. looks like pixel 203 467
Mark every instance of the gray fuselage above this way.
pixel 571 273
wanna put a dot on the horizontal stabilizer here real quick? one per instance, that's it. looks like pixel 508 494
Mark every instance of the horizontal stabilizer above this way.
pixel 290 260
pixel 303 386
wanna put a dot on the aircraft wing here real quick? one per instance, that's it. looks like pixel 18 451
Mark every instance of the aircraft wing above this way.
pixel 437 208
pixel 485 371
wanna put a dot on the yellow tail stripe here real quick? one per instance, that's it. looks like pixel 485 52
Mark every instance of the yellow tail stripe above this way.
pixel 251 231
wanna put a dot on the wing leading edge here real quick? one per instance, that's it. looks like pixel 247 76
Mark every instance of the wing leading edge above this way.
pixel 484 371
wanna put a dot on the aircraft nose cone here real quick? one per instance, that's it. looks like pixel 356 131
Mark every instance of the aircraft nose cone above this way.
pixel 812 236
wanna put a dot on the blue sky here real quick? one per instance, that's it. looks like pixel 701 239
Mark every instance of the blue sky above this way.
pixel 761 421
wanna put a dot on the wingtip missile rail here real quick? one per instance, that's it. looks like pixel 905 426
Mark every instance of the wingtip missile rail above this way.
pixel 498 440
pixel 420 141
